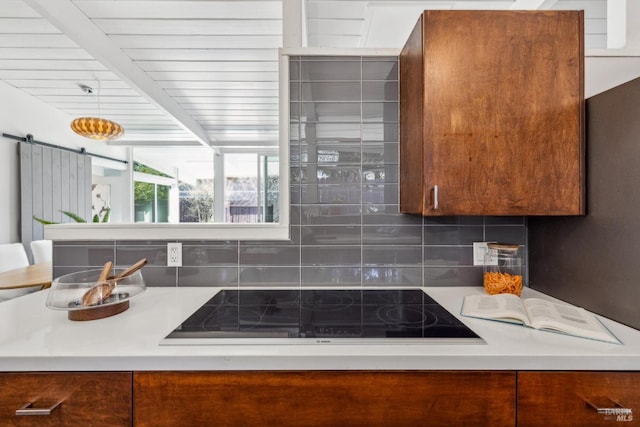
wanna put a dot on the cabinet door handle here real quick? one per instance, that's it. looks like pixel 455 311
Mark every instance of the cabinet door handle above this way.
pixel 616 409
pixel 27 409
pixel 435 197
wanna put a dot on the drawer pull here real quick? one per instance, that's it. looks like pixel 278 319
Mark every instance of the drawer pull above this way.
pixel 27 409
pixel 435 197
pixel 616 409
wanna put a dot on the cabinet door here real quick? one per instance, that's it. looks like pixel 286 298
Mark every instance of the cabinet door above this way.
pixel 502 121
pixel 65 399
pixel 324 398
pixel 578 398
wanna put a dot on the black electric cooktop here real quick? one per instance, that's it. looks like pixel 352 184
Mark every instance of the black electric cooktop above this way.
pixel 300 316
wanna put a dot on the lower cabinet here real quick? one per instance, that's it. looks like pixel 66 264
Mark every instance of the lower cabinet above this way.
pixel 578 398
pixel 320 398
pixel 65 399
pixel 325 398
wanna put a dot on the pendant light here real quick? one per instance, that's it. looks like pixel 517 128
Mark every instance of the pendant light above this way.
pixel 96 127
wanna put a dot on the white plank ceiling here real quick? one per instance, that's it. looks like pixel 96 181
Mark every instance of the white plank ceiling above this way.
pixel 198 72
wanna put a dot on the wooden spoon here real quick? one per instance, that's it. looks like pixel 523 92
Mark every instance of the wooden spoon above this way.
pixel 129 271
pixel 101 290
pixel 113 280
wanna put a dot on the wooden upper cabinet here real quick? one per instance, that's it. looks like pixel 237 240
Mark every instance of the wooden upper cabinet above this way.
pixel 492 114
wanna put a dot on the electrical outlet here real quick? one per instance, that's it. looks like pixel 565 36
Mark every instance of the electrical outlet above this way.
pixel 479 249
pixel 174 254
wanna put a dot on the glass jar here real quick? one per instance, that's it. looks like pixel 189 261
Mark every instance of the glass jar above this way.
pixel 502 269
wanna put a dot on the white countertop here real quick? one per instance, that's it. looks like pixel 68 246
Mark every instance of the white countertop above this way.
pixel 35 338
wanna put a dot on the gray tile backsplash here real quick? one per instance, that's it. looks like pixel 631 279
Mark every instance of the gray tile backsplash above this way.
pixel 346 228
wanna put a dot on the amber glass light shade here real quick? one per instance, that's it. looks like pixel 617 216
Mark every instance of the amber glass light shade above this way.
pixel 95 128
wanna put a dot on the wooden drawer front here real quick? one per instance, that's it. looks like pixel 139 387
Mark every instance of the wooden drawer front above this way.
pixel 324 398
pixel 88 399
pixel 560 398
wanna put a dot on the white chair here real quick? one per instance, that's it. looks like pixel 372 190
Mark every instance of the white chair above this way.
pixel 13 256
pixel 42 251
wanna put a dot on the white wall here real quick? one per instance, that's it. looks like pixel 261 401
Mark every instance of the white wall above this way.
pixel 21 114
pixel 604 72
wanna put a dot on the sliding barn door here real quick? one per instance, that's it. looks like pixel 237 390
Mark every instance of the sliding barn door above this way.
pixel 52 180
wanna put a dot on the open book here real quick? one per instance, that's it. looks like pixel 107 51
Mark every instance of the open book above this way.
pixel 539 314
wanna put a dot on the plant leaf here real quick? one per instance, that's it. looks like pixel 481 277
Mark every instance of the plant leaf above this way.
pixel 73 216
pixel 95 218
pixel 43 221
pixel 105 218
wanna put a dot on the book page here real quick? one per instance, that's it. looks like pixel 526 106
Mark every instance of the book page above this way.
pixel 567 319
pixel 505 307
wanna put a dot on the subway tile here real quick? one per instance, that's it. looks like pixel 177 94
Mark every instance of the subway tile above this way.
pixel 331 111
pixel 331 132
pixel 380 174
pixel 294 215
pixel 330 174
pixel 336 153
pixel 380 91
pixel 380 112
pixel 444 256
pixel 84 243
pixel 392 276
pixel 294 91
pixel 208 276
pixel 330 194
pixel 453 220
pixel 295 235
pixel 294 111
pixel 330 58
pixel 331 255
pixel 388 215
pixel 213 253
pixel 89 256
pixel 285 242
pixel 294 70
pixel 295 174
pixel 381 153
pixel 505 234
pixel 331 276
pixel 159 276
pixel 392 255
pixel 331 91
pixel 330 214
pixel 453 235
pixel 271 276
pixel 453 276
pixel 155 254
pixel 380 70
pixel 380 132
pixel 58 271
pixel 325 70
pixel 331 235
pixel 504 220
pixel 391 235
pixel 259 255
pixel 294 154
pixel 294 194
pixel 294 133
pixel 380 194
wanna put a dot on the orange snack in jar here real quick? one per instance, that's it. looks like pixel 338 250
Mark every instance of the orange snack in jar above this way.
pixel 500 283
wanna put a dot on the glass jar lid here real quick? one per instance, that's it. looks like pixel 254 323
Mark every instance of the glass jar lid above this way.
pixel 503 246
